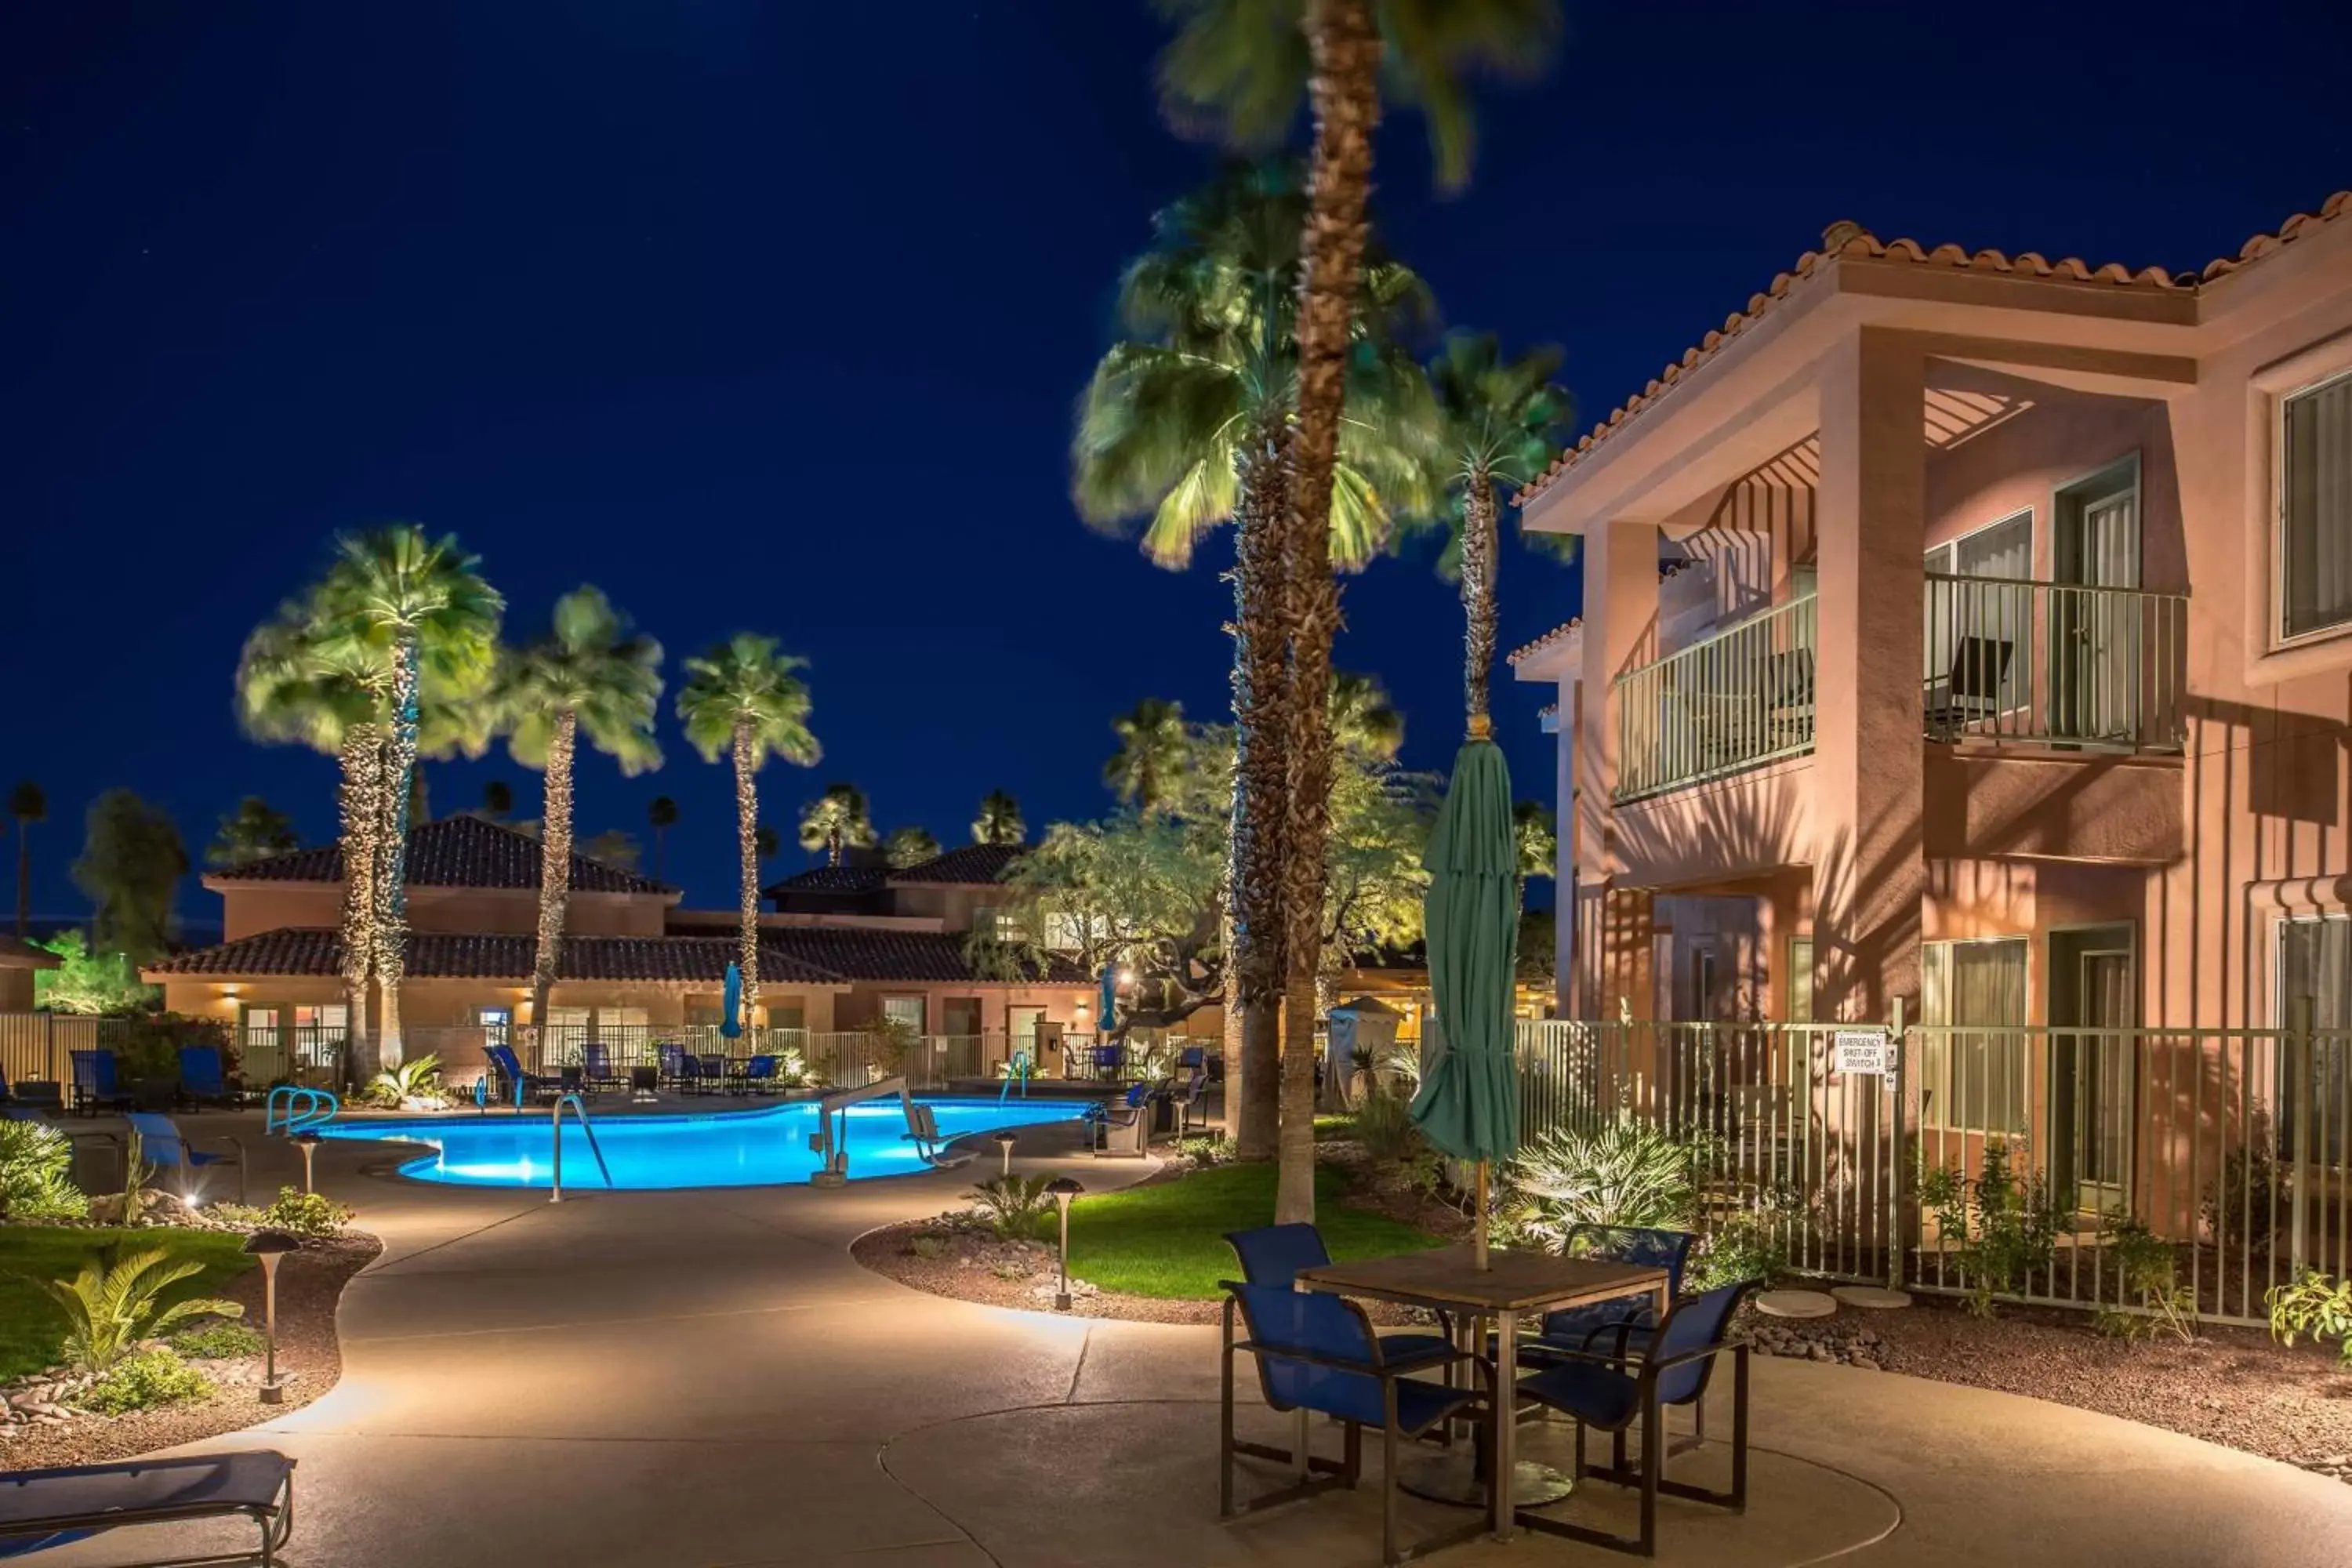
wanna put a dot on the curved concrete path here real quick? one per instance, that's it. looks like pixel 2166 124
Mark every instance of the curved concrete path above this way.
pixel 705 1380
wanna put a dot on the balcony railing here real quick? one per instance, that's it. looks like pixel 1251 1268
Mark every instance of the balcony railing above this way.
pixel 2054 663
pixel 1736 699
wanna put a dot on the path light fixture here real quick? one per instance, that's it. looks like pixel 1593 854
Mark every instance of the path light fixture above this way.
pixel 1063 1189
pixel 268 1247
pixel 307 1141
pixel 1004 1142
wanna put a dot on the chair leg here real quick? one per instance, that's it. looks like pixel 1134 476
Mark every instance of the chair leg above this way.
pixel 1653 1460
pixel 1225 1427
pixel 1740 1428
pixel 1389 1491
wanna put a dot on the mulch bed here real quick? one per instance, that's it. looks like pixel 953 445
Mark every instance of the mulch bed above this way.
pixel 310 1282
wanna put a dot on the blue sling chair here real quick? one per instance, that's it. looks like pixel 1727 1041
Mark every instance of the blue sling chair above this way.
pixel 94 1085
pixel 1582 1328
pixel 204 1079
pixel 162 1145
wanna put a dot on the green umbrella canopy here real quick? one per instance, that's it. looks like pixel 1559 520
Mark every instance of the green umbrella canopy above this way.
pixel 1468 1104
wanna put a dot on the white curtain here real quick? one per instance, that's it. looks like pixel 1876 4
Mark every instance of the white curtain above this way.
pixel 2317 499
pixel 2315 965
pixel 1976 1073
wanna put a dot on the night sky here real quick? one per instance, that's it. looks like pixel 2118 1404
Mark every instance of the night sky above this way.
pixel 771 317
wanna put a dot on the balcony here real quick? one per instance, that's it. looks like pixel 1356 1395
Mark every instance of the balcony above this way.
pixel 2006 662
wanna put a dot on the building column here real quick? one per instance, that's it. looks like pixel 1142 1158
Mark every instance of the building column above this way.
pixel 1869 874
pixel 1565 991
pixel 1621 622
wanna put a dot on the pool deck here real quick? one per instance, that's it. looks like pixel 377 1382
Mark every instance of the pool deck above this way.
pixel 706 1380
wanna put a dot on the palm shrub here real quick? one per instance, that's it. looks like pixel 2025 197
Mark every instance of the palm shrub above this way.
pixel 2003 1223
pixel 417 1078
pixel 35 1174
pixel 2313 1304
pixel 111 1305
pixel 1013 1205
pixel 1628 1172
pixel 1383 1125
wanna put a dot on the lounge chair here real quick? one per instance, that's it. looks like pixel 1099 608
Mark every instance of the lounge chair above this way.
pixel 681 1070
pixel 1274 1255
pixel 596 1070
pixel 164 1146
pixel 1316 1353
pixel 40 1096
pixel 1609 1392
pixel 1110 1061
pixel 41 1509
pixel 204 1079
pixel 94 1085
pixel 760 1074
pixel 514 1084
pixel 922 1131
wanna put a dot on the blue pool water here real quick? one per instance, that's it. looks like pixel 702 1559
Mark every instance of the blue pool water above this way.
pixel 724 1148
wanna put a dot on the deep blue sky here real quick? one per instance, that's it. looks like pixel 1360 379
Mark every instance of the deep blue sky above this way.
pixel 771 316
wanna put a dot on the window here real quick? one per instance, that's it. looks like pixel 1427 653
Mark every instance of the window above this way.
pixel 2314 968
pixel 2314 546
pixel 1801 980
pixel 1973 1001
pixel 906 1012
pixel 498 1024
pixel 1979 630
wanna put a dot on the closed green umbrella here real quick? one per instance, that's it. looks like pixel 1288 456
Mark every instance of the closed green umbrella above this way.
pixel 1468 1105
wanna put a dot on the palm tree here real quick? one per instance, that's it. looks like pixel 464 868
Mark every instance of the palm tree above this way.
pixel 1538 833
pixel 1499 424
pixel 836 820
pixel 1239 65
pixel 743 699
pixel 588 676
pixel 256 830
pixel 1362 720
pixel 661 816
pixel 999 821
pixel 910 847
pixel 422 603
pixel 766 841
pixel 497 799
pixel 28 805
pixel 1152 750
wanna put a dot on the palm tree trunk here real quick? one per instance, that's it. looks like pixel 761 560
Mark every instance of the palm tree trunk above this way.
pixel 361 759
pixel 1345 91
pixel 747 844
pixel 391 878
pixel 1477 592
pixel 555 864
pixel 1261 783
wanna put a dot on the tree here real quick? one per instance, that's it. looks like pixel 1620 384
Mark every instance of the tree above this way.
pixel 838 820
pixel 130 866
pixel 910 847
pixel 28 805
pixel 1533 824
pixel 616 848
pixel 766 841
pixel 104 984
pixel 497 799
pixel 661 816
pixel 1499 424
pixel 423 605
pixel 1240 68
pixel 588 676
pixel 1152 749
pixel 999 821
pixel 742 700
pixel 1362 719
pixel 256 830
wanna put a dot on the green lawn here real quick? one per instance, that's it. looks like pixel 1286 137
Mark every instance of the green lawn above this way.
pixel 30 1323
pixel 1169 1240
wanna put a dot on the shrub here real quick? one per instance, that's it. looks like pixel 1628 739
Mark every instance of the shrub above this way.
pixel 1207 1148
pixel 1383 1127
pixel 219 1341
pixel 148 1046
pixel 1013 1205
pixel 135 1172
pixel 1750 1243
pixel 35 1174
pixel 417 1079
pixel 306 1213
pixel 2147 1267
pixel 927 1247
pixel 2313 1305
pixel 144 1381
pixel 2242 1202
pixel 244 1217
pixel 1627 1172
pixel 2005 1223
pixel 111 1305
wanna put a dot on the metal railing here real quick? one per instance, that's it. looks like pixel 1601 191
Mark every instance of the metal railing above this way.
pixel 1740 699
pixel 2232 1147
pixel 35 1048
pixel 38 1046
pixel 2056 663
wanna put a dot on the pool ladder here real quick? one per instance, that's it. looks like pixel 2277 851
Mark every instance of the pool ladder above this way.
pixel 555 1143
pixel 293 1106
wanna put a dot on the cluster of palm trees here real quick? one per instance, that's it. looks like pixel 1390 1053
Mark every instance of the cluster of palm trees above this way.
pixel 393 653
pixel 840 820
pixel 1265 375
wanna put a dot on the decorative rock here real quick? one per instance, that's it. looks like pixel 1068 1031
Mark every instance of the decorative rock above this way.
pixel 1866 1362
pixel 1795 1304
pixel 1873 1297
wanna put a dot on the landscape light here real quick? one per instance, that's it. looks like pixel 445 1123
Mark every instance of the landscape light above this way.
pixel 268 1247
pixel 1004 1142
pixel 307 1141
pixel 1063 1189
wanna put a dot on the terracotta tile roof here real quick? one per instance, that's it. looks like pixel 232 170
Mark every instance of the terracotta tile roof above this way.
pixel 974 865
pixel 454 852
pixel 1557 633
pixel 1844 239
pixel 830 879
pixel 908 955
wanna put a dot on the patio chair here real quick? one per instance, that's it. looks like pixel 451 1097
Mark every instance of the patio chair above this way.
pixel 596 1070
pixel 1273 1254
pixel 760 1074
pixel 1575 1327
pixel 95 1088
pixel 1318 1354
pixel 1128 1136
pixel 203 1078
pixel 1110 1061
pixel 37 1095
pixel 163 1145
pixel 1192 1097
pixel 1971 689
pixel 515 1086
pixel 922 1131
pixel 1609 1393
pixel 41 1509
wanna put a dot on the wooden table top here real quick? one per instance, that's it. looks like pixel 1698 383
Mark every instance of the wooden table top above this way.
pixel 1512 1282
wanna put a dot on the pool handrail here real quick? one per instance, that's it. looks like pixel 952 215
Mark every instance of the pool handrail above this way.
pixel 301 1107
pixel 555 1144
pixel 1018 1067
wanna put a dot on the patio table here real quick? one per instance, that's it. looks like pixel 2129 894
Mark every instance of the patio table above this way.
pixel 1448 1280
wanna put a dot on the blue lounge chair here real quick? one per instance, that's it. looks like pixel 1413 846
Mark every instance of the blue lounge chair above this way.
pixel 1609 1392
pixel 1274 1255
pixel 760 1074
pixel 1192 1098
pixel 515 1085
pixel 681 1070
pixel 95 1088
pixel 1318 1352
pixel 596 1070
pixel 204 1079
pixel 1110 1061
pixel 42 1096
pixel 1193 1059
pixel 41 1509
pixel 1576 1328
pixel 164 1146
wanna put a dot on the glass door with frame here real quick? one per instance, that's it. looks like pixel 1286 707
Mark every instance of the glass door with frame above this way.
pixel 2095 635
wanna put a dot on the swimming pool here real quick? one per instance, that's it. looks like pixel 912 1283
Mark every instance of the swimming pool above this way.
pixel 722 1148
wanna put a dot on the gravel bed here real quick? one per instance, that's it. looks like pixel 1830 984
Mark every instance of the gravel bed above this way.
pixel 310 1282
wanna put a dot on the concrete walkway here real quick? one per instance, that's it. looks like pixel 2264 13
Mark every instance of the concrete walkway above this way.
pixel 703 1379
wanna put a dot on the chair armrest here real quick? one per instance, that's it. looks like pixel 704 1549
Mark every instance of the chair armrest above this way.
pixel 1597 1359
pixel 1386 1372
pixel 1651 1369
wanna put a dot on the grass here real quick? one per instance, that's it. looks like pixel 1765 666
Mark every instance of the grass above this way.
pixel 30 1324
pixel 1169 1240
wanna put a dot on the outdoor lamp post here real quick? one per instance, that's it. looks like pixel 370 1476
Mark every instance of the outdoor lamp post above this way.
pixel 267 1247
pixel 1063 1189
pixel 1004 1142
pixel 307 1141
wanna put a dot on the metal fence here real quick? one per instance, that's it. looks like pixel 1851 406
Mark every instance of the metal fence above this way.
pixel 35 1046
pixel 2057 662
pixel 2232 1148
pixel 1733 700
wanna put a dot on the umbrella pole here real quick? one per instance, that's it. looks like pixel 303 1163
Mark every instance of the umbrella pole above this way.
pixel 1478 1228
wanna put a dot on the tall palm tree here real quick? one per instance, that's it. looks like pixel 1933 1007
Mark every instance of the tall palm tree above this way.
pixel 425 605
pixel 742 700
pixel 588 676
pixel 999 821
pixel 661 816
pixel 838 820
pixel 256 830
pixel 1497 425
pixel 910 847
pixel 1153 748
pixel 1239 66
pixel 28 805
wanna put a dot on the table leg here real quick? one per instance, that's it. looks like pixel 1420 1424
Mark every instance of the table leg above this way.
pixel 1505 1417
